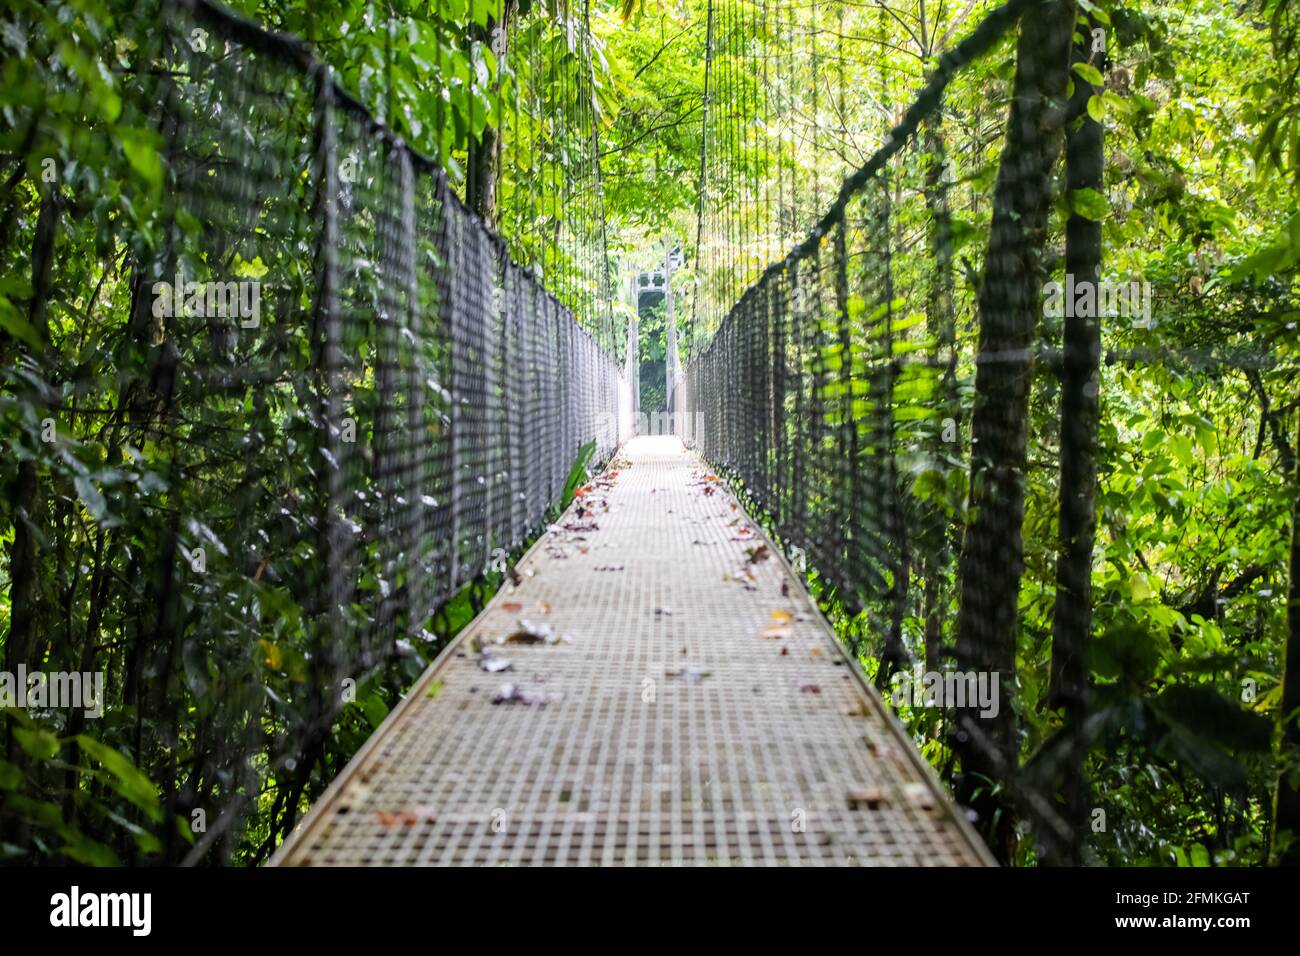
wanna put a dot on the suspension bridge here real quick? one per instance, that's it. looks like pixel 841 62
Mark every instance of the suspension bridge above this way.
pixel 654 684
pixel 656 689
pixel 424 406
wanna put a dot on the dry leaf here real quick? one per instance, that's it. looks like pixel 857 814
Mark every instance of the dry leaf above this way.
pixel 778 626
pixel 869 797
pixel 690 676
pixel 514 694
pixel 532 633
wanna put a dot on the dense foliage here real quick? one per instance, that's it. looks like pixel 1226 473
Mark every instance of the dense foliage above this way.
pixel 1199 426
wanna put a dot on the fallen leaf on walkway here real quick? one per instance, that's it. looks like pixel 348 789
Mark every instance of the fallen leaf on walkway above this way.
pixel 435 689
pixel 514 694
pixel 608 567
pixel 514 607
pixel 493 664
pixel 531 632
pixel 778 626
pixel 919 794
pixel 808 687
pixel 406 818
pixel 869 797
pixel 757 554
pixel 689 675
pixel 744 577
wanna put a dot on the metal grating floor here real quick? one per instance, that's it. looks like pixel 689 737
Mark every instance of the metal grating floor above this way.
pixel 686 705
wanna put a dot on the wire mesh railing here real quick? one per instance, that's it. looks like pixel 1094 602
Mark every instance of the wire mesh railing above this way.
pixel 338 402
pixel 928 399
pixel 838 394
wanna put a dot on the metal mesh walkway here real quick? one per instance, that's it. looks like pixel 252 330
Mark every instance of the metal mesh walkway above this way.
pixel 657 689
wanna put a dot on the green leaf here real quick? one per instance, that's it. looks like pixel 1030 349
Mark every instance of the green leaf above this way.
pixel 1118 103
pixel 374 708
pixel 1089 204
pixel 39 744
pixel 90 496
pixel 90 852
pixel 577 474
pixel 16 324
pixel 1089 73
pixel 127 779
pixel 1098 14
pixel 1126 651
pixel 1096 108
pixel 143 157
pixel 10 776
pixel 41 812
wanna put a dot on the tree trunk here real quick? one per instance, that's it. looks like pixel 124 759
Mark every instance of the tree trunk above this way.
pixel 1010 302
pixel 20 646
pixel 1080 382
pixel 935 549
pixel 481 182
pixel 484 166
pixel 1286 819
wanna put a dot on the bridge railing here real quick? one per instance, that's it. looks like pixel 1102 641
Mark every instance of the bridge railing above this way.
pixel 833 381
pixel 338 402
pixel 913 399
pixel 411 402
pixel 837 394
